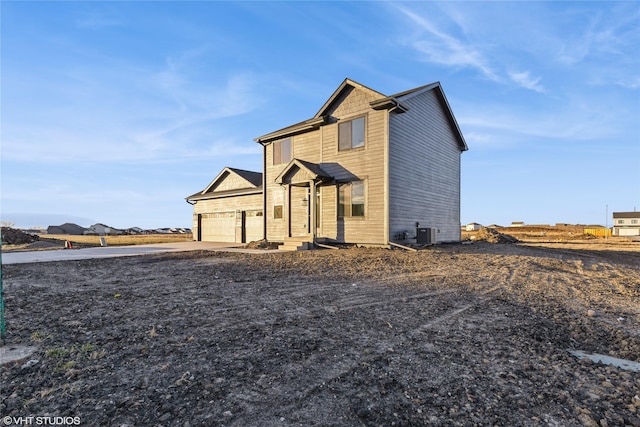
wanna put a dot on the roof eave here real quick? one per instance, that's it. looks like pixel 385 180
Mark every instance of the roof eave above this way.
pixel 220 195
pixel 389 103
pixel 296 129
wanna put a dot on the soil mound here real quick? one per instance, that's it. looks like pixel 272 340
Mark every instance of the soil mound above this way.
pixel 261 244
pixel 12 236
pixel 493 236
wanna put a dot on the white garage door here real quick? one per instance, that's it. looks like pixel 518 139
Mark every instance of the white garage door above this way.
pixel 219 227
pixel 253 225
pixel 628 232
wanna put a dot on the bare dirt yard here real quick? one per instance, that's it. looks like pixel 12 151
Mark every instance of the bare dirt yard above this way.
pixel 451 335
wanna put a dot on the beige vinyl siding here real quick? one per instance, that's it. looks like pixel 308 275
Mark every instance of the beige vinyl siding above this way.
pixel 329 215
pixel 229 181
pixel 224 204
pixel 307 146
pixel 275 227
pixel 424 170
pixel 363 163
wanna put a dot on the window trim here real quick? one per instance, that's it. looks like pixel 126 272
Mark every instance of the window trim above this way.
pixel 346 204
pixel 275 211
pixel 278 146
pixel 343 123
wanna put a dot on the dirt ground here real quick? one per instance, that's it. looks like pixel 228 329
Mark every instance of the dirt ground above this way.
pixel 452 335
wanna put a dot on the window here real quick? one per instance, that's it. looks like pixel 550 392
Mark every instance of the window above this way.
pixel 278 203
pixel 621 221
pixel 351 199
pixel 282 151
pixel 351 134
pixel 634 221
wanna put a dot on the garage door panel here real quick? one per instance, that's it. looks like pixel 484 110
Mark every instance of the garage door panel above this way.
pixel 628 232
pixel 219 227
pixel 253 225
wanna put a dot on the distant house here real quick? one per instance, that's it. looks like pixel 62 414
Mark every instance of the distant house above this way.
pixel 67 228
pixel 626 223
pixel 105 230
pixel 473 226
pixel 135 230
pixel 365 169
pixel 517 224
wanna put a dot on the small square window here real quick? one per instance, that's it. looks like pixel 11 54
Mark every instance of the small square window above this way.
pixel 277 212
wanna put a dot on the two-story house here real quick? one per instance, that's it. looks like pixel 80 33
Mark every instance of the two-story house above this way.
pixel 367 169
pixel 626 223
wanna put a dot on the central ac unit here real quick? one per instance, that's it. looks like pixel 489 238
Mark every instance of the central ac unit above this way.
pixel 426 236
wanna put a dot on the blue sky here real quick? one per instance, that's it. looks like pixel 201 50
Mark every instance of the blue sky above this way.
pixel 114 112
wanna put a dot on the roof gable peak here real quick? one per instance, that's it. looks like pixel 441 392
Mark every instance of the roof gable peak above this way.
pixel 345 85
pixel 252 179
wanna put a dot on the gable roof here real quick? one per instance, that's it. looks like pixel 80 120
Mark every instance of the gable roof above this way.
pixel 392 103
pixel 252 181
pixel 255 178
pixel 313 170
pixel 347 84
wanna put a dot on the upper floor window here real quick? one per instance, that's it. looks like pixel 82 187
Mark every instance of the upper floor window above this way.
pixel 351 134
pixel 282 151
pixel 351 199
pixel 634 221
pixel 621 221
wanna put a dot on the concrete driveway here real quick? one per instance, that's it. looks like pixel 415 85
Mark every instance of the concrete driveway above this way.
pixel 119 251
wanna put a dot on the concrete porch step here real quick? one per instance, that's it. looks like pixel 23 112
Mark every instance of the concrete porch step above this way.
pixel 295 244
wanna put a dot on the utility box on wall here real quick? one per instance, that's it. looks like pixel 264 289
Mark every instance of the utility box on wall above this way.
pixel 426 236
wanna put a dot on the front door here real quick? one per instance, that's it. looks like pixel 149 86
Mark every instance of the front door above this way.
pixel 299 220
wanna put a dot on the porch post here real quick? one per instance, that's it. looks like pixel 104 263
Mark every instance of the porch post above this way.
pixel 312 207
pixel 287 210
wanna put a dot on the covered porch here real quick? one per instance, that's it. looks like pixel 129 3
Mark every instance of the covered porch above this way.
pixel 303 203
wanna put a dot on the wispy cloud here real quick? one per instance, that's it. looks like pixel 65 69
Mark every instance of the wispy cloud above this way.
pixel 442 48
pixel 525 80
pixel 499 127
pixel 95 19
pixel 606 34
pixel 130 113
pixel 438 46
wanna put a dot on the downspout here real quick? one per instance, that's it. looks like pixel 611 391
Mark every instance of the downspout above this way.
pixel 264 191
pixel 387 202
